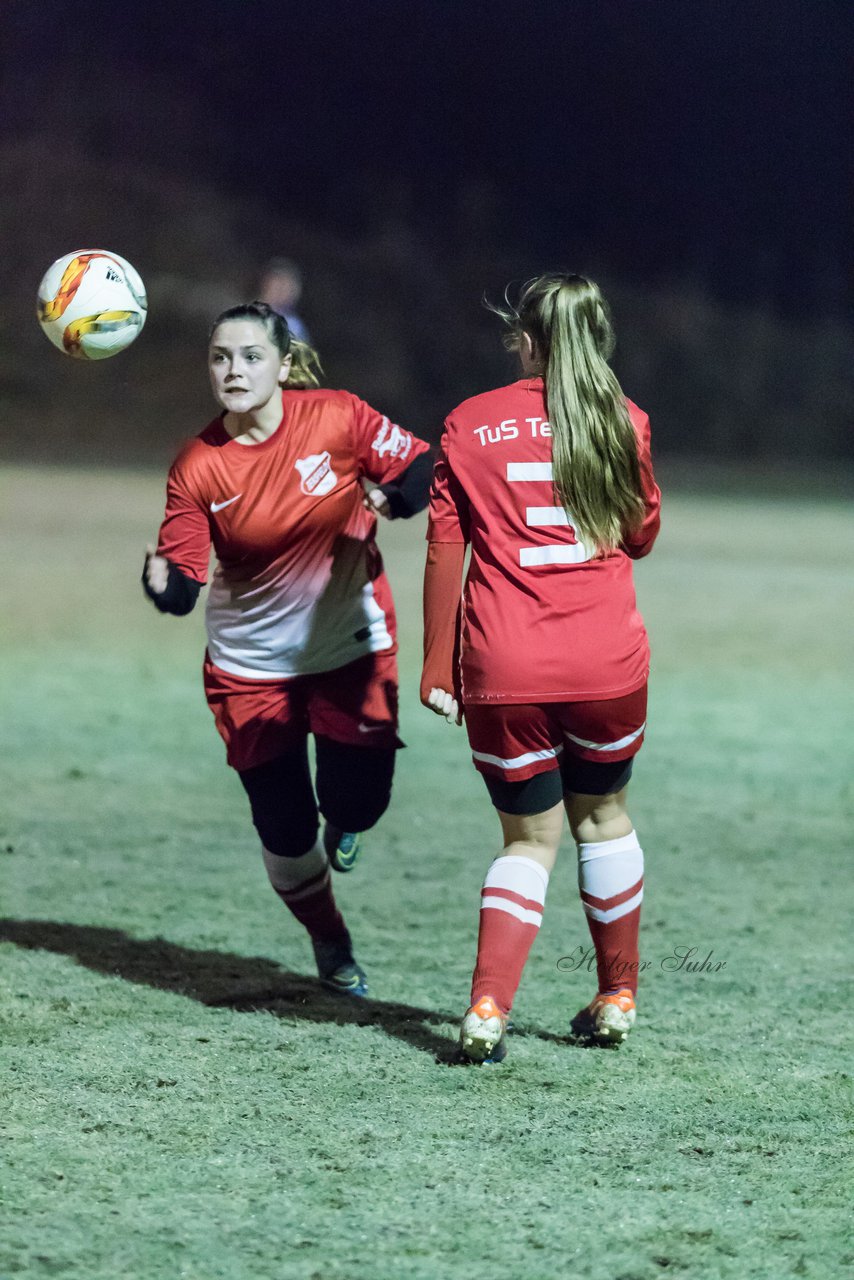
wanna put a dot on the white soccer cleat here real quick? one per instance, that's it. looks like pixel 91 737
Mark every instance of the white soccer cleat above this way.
pixel 608 1019
pixel 483 1032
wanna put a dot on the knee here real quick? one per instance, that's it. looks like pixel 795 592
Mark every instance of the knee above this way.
pixel 533 835
pixel 284 812
pixel 594 819
pixel 283 840
pixel 353 783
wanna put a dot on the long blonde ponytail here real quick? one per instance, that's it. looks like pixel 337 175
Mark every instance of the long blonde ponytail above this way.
pixel 594 450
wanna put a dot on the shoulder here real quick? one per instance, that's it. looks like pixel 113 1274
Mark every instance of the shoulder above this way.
pixel 640 423
pixel 195 456
pixel 510 399
pixel 193 452
pixel 318 398
pixel 325 408
pixel 640 419
pixel 488 400
pixel 330 410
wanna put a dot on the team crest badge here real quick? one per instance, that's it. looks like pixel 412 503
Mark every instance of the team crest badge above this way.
pixel 316 474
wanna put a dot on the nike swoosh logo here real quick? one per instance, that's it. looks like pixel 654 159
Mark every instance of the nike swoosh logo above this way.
pixel 218 506
pixel 371 728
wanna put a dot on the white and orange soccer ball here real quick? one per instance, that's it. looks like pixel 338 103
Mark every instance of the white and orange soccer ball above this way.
pixel 92 304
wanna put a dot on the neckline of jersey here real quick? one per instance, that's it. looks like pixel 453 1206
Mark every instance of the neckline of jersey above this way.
pixel 259 445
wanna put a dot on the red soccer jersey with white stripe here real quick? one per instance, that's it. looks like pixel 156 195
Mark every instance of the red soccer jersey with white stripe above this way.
pixel 543 619
pixel 299 585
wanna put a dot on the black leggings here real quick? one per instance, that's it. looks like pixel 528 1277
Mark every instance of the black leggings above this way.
pixel 545 790
pixel 353 792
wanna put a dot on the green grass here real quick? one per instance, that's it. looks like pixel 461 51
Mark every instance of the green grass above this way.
pixel 182 1101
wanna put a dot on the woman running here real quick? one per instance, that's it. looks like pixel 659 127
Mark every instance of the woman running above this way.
pixel 300 618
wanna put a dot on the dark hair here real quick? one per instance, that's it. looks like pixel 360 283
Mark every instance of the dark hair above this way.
pixel 275 326
pixel 305 363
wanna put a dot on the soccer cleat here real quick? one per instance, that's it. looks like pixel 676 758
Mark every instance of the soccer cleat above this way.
pixel 608 1018
pixel 342 847
pixel 337 969
pixel 482 1034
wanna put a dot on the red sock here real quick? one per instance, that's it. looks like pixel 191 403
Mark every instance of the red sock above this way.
pixel 610 878
pixel 511 912
pixel 304 885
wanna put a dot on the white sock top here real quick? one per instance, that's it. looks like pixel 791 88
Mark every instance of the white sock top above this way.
pixel 523 875
pixel 601 848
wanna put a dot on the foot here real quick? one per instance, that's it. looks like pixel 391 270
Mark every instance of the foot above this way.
pixel 337 968
pixel 482 1034
pixel 342 847
pixel 608 1018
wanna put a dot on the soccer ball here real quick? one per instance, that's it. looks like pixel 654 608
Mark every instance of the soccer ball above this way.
pixel 91 304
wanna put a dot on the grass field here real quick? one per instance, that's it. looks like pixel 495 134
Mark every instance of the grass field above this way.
pixel 182 1101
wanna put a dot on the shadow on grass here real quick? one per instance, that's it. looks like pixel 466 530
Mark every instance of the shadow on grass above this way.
pixel 221 979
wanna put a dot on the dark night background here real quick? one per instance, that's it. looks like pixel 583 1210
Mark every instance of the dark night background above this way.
pixel 692 158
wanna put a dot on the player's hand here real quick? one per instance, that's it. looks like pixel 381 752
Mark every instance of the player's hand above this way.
pixel 156 571
pixel 444 704
pixel 376 501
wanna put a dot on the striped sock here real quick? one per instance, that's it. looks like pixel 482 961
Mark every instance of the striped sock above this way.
pixel 610 878
pixel 511 912
pixel 304 885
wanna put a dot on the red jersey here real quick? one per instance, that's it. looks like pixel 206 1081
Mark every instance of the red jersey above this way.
pixel 299 584
pixel 544 620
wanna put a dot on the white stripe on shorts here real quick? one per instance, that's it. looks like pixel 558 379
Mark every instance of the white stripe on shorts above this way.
pixel 606 746
pixel 513 909
pixel 517 762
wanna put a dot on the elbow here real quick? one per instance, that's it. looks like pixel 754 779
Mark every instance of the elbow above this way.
pixel 402 506
pixel 410 492
pixel 637 552
pixel 643 541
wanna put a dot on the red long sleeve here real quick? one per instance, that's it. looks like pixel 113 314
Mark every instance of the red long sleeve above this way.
pixel 639 543
pixel 442 598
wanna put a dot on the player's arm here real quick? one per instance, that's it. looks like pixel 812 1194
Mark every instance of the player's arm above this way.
pixel 640 542
pixel 447 537
pixel 408 494
pixel 175 572
pixel 440 676
pixel 395 462
pixel 170 590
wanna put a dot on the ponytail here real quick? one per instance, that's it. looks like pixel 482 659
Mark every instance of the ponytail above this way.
pixel 594 449
pixel 306 369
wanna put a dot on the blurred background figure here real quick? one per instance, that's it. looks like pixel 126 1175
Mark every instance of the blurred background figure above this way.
pixel 281 289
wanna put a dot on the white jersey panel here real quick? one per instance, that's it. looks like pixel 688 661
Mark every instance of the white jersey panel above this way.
pixel 286 628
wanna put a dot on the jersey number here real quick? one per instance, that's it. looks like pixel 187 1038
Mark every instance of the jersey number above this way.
pixel 575 552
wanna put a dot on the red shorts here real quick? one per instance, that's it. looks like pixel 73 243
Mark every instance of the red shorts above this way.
pixel 261 719
pixel 515 741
